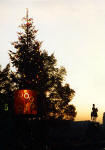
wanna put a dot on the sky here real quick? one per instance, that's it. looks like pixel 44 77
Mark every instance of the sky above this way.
pixel 74 30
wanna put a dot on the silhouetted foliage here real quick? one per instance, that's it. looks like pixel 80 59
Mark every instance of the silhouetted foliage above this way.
pixel 37 70
pixel 5 86
pixel 4 79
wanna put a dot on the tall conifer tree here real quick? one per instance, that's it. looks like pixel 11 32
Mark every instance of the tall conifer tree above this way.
pixel 37 70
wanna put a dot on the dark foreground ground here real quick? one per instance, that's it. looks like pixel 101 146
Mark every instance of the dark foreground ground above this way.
pixel 20 133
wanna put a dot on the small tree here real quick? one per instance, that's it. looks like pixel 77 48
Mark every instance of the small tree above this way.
pixel 36 70
pixel 4 86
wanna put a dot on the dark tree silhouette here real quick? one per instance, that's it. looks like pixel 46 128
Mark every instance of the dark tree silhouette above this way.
pixel 37 70
pixel 4 86
pixel 4 79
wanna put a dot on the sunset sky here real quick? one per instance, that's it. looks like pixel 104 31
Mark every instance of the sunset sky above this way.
pixel 74 30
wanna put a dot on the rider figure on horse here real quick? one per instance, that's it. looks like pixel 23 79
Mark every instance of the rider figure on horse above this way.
pixel 94 114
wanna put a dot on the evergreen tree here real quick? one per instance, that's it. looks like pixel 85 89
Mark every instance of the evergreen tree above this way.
pixel 4 87
pixel 37 70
